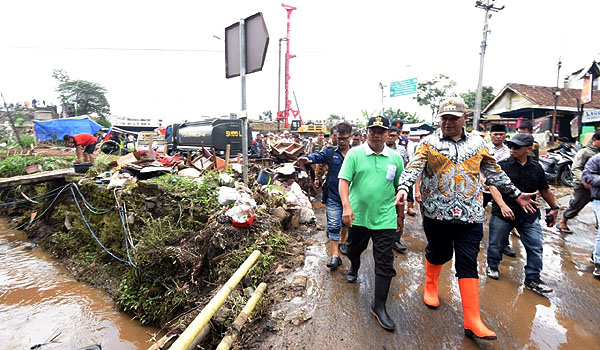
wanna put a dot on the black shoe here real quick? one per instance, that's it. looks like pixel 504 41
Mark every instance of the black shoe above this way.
pixel 334 262
pixel 597 271
pixel 343 248
pixel 494 274
pixel 382 286
pixel 352 274
pixel 592 258
pixel 538 286
pixel 399 247
pixel 508 251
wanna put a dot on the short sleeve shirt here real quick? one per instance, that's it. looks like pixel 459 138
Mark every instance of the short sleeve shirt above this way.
pixel 84 140
pixel 528 178
pixel 373 179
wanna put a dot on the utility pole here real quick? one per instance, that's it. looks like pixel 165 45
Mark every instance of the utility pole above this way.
pixel 556 95
pixel 487 5
pixel 382 87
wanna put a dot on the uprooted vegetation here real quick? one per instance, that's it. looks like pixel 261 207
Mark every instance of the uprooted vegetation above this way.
pixel 163 250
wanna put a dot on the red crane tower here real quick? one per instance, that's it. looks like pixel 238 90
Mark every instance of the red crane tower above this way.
pixel 288 110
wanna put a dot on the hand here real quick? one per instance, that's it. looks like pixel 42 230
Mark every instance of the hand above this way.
pixel 554 213
pixel 418 197
pixel 486 187
pixel 304 160
pixel 77 160
pixel 348 216
pixel 318 183
pixel 507 212
pixel 587 186
pixel 401 197
pixel 526 202
pixel 400 224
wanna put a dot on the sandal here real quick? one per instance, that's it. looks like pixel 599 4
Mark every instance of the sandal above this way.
pixel 564 230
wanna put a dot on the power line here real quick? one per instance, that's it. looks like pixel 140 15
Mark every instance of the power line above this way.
pixel 112 49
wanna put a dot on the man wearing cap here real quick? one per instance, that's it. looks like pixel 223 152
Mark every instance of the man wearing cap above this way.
pixel 526 126
pixel 368 208
pixel 450 161
pixel 507 214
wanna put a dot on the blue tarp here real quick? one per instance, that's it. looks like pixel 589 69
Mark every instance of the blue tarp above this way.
pixel 51 130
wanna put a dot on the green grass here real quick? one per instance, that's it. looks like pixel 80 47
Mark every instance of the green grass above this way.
pixel 15 165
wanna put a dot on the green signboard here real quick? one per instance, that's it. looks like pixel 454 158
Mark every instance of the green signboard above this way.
pixel 403 87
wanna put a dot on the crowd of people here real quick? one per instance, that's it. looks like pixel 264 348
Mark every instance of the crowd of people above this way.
pixel 453 176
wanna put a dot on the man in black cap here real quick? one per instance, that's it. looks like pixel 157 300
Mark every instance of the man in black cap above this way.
pixel 526 126
pixel 368 209
pixel 507 214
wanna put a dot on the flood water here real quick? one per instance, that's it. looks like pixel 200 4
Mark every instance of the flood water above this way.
pixel 40 299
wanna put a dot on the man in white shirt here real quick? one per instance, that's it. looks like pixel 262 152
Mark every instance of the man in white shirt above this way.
pixel 499 151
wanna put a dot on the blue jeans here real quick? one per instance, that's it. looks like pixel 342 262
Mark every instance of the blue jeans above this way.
pixel 596 207
pixel 531 236
pixel 333 209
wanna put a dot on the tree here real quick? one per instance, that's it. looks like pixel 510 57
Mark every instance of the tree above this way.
pixel 405 117
pixel 104 122
pixel 85 96
pixel 487 95
pixel 266 115
pixel 432 92
pixel 335 117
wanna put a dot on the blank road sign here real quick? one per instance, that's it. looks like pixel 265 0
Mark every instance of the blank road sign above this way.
pixel 403 87
pixel 257 41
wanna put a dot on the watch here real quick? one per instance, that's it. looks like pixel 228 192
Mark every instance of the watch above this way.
pixel 555 208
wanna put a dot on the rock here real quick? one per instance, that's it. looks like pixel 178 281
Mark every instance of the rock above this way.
pixel 280 213
pixel 280 269
pixel 299 282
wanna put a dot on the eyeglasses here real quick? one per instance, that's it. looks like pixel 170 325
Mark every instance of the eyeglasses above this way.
pixel 393 135
pixel 343 138
pixel 513 146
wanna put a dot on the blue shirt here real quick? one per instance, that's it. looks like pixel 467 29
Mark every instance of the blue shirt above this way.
pixel 323 157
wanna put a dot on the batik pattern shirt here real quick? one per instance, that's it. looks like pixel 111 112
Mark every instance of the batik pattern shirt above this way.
pixel 450 183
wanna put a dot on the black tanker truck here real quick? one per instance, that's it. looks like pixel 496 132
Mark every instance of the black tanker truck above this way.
pixel 215 133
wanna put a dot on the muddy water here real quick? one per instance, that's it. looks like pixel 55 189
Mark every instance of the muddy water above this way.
pixel 39 299
pixel 339 317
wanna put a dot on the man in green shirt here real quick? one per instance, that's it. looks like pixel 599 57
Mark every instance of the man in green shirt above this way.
pixel 368 181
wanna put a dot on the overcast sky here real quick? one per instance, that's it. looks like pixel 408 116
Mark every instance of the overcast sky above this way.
pixel 344 49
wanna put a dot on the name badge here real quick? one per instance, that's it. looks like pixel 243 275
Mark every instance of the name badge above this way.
pixel 391 172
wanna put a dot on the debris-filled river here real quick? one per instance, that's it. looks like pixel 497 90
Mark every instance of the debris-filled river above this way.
pixel 40 302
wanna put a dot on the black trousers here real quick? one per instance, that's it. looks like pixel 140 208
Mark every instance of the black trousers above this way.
pixel 445 238
pixel 359 236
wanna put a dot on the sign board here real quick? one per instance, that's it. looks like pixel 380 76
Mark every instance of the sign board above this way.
pixel 591 116
pixel 403 87
pixel 257 41
pixel 586 92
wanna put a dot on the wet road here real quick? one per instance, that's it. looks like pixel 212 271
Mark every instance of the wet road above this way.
pixel 39 299
pixel 338 314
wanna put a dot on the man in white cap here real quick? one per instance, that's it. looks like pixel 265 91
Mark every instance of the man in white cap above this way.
pixel 450 161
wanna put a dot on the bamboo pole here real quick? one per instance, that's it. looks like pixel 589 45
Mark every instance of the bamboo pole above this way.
pixel 227 150
pixel 240 321
pixel 187 337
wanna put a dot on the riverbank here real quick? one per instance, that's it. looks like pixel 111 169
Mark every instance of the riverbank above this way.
pixel 162 247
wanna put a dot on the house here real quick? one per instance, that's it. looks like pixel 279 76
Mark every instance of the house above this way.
pixel 575 79
pixel 520 101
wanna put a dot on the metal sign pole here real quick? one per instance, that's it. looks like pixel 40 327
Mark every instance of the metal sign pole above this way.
pixel 244 117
